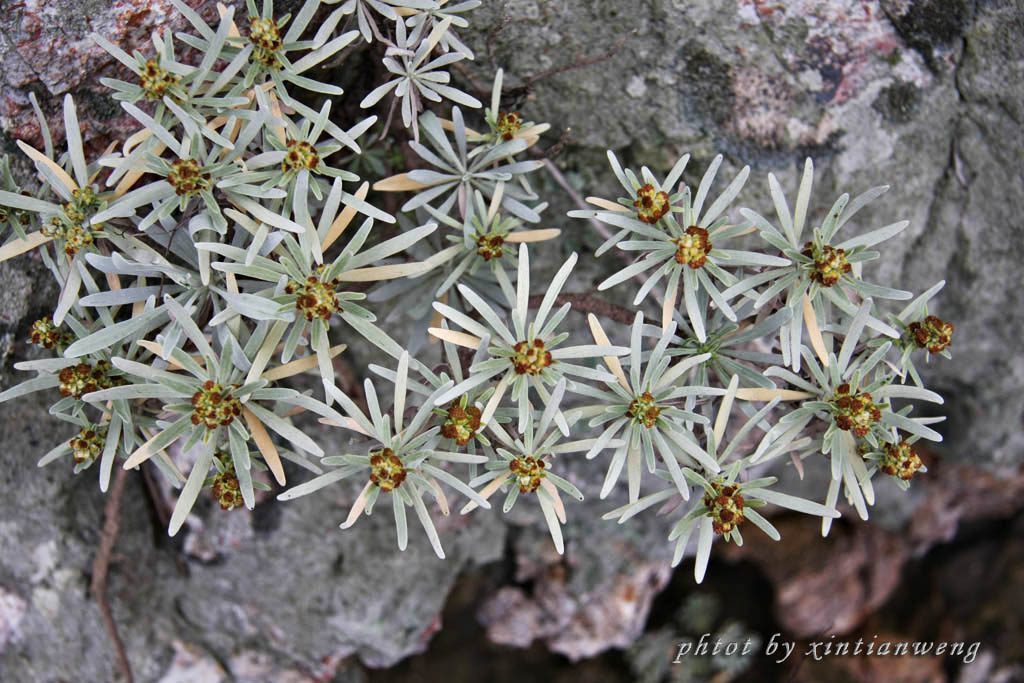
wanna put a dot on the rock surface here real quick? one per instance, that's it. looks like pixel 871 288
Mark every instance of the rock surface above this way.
pixel 924 95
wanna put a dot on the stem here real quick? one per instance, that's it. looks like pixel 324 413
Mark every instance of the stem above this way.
pixel 598 227
pixel 588 304
pixel 101 564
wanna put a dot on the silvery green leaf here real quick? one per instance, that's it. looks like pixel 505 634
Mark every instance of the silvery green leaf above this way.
pixel 129 295
pixel 20 201
pixel 269 217
pixel 312 85
pixel 553 289
pixel 188 325
pixel 242 463
pixel 470 325
pixel 629 511
pixel 860 202
pixel 318 55
pixel 725 199
pixel 791 502
pixel 716 296
pixel 749 258
pixel 588 351
pixel 891 419
pixel 587 373
pixel 867 289
pixel 45 364
pixel 554 526
pixel 118 264
pixel 854 332
pixel 73 135
pixel 194 19
pixel 684 441
pixel 134 391
pixel 61 407
pixel 872 238
pixel 158 130
pixel 747 374
pixel 782 209
pixel 694 311
pixel 398 506
pixel 169 379
pixel 762 523
pixel 107 337
pixel 110 448
pixel 392 246
pixel 374 335
pixel 173 352
pixel 428 524
pixel 622 220
pixel 456 484
pixel 114 51
pixel 921 300
pixel 127 205
pixel 705 185
pixel 319 482
pixel 628 272
pixel 487 313
pixel 286 430
pixel 190 492
pixel 253 271
pixel 258 307
pixel 704 538
pixel 774 290
pixel 69 292
pixel 764 328
pixel 803 196
pixel 54 453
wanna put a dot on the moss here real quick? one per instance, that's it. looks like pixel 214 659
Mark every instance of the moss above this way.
pixel 898 102
pixel 794 32
pixel 708 85
pixel 929 24
pixel 7 144
pixel 100 105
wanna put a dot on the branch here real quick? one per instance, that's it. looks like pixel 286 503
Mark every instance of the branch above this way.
pixel 598 227
pixel 101 563
pixel 581 62
pixel 588 304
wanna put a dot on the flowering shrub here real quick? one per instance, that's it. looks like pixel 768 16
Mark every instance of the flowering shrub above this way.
pixel 201 266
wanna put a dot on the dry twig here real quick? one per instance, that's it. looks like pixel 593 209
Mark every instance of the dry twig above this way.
pixel 101 564
pixel 589 304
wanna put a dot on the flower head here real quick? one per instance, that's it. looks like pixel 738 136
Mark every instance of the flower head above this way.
pixel 685 254
pixel 642 410
pixel 729 497
pixel 900 460
pixel 817 286
pixel 932 333
pixel 403 460
pixel 651 204
pixel 88 445
pixel 225 487
pixel 462 422
pixel 156 81
pixel 50 336
pixel 527 355
pixel 522 466
pixel 724 504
